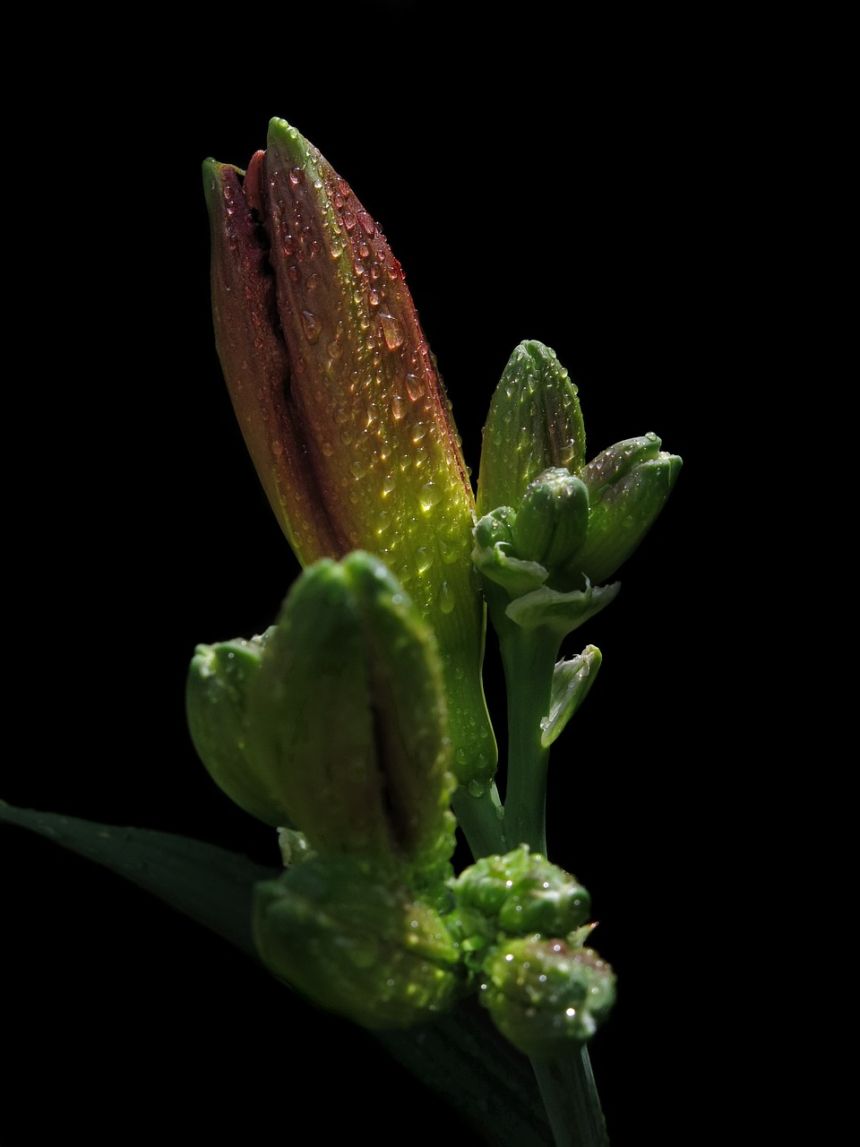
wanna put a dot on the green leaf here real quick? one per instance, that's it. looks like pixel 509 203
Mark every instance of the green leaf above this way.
pixel 460 1057
pixel 207 883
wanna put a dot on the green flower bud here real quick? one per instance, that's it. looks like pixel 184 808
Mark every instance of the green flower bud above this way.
pixel 534 423
pixel 356 943
pixel 493 554
pixel 628 485
pixel 347 717
pixel 544 995
pixel 551 522
pixel 521 893
pixel 218 682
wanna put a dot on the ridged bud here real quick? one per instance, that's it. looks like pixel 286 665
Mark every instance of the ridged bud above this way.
pixel 545 995
pixel 357 943
pixel 347 717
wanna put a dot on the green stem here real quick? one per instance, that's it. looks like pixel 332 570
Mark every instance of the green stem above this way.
pixel 529 659
pixel 566 1084
pixel 570 1097
pixel 480 818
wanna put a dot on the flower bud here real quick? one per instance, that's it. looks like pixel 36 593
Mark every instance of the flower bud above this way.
pixel 521 893
pixel 534 423
pixel 545 995
pixel 494 558
pixel 347 719
pixel 340 401
pixel 552 519
pixel 216 698
pixel 628 485
pixel 356 943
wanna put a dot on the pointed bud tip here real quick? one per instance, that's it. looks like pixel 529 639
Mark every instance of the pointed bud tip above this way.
pixel 283 138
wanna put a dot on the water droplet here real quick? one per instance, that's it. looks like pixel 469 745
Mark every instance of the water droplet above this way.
pixel 460 756
pixel 349 220
pixel 415 386
pixel 419 431
pixel 358 468
pixel 392 333
pixel 423 559
pixel 431 495
pixel 343 187
pixel 327 449
pixel 398 407
pixel 476 788
pixel 388 486
pixel 311 326
pixel 374 298
pixel 363 250
pixel 447 601
pixel 294 272
pixel 367 223
pixel 335 350
pixel 313 282
pixel 296 176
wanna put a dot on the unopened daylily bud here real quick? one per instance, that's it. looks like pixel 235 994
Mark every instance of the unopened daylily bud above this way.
pixel 521 893
pixel 340 401
pixel 216 697
pixel 628 485
pixel 347 717
pixel 534 423
pixel 494 556
pixel 552 519
pixel 544 995
pixel 356 943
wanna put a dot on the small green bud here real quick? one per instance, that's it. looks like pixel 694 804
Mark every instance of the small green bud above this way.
pixel 493 554
pixel 534 423
pixel 552 519
pixel 628 486
pixel 216 696
pixel 521 893
pixel 347 717
pixel 544 995
pixel 496 528
pixel 357 943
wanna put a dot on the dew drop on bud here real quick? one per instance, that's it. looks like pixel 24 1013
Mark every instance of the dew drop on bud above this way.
pixel 430 497
pixel 446 598
pixel 415 386
pixel 392 333
pixel 311 326
pixel 398 407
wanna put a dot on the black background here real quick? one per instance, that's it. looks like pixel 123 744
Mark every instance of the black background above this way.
pixel 574 188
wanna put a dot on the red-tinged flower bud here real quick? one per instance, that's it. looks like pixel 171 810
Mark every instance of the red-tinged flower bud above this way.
pixel 340 401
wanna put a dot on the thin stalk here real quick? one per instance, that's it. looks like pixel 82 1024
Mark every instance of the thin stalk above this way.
pixel 529 659
pixel 566 1084
pixel 571 1101
pixel 480 818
